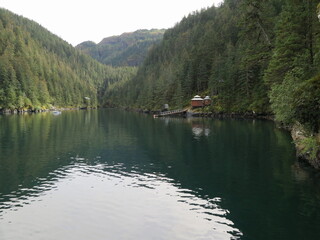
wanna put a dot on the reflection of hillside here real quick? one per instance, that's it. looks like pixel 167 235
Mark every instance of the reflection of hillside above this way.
pixel 31 146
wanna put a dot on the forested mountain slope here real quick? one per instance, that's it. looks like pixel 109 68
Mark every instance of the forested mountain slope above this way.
pixel 39 70
pixel 249 55
pixel 128 49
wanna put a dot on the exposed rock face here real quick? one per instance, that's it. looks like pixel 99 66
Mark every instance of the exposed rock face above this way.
pixel 307 146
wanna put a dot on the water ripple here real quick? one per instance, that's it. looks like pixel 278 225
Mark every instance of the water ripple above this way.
pixel 112 192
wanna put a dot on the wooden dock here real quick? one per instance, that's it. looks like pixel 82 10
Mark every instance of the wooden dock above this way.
pixel 170 113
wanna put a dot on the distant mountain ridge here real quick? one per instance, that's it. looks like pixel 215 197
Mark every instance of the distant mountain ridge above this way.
pixel 128 49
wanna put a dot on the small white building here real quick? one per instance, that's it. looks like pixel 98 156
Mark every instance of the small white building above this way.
pixel 207 101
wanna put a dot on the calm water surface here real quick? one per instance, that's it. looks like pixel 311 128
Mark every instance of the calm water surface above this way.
pixel 108 174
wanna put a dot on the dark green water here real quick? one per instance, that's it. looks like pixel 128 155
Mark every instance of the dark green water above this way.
pixel 107 174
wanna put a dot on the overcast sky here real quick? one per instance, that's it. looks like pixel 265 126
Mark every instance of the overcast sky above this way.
pixel 80 20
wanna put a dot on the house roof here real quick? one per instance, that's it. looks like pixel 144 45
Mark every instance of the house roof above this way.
pixel 197 98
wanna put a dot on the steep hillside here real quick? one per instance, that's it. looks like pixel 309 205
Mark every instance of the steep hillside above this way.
pixel 251 57
pixel 243 54
pixel 40 70
pixel 128 49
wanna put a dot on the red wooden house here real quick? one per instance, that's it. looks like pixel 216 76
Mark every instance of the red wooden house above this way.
pixel 197 101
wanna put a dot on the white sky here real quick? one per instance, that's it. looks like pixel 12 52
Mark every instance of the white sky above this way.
pixel 80 20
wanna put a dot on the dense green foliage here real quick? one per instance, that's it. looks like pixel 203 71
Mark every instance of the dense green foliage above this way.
pixel 128 49
pixel 39 70
pixel 249 55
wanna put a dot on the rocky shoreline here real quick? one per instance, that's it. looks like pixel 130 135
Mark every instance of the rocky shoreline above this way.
pixel 15 111
pixel 307 148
